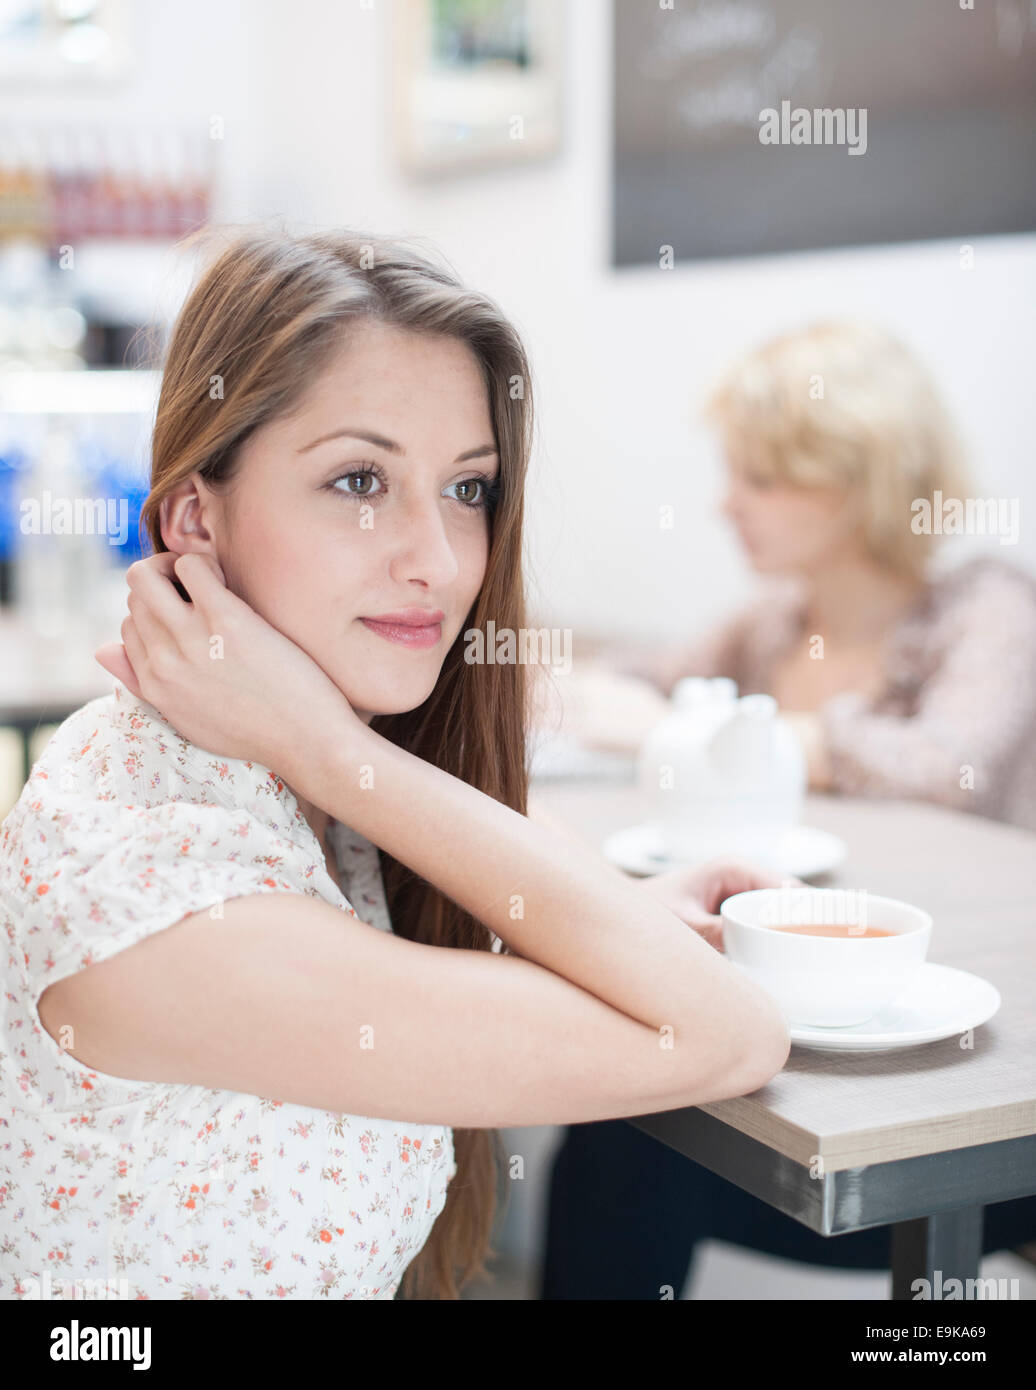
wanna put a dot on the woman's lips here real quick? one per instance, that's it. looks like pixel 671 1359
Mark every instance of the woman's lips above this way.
pixel 404 634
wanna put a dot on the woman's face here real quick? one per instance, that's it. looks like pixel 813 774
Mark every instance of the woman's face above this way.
pixel 321 530
pixel 786 529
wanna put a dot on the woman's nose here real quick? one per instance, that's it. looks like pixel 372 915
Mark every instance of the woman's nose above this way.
pixel 423 549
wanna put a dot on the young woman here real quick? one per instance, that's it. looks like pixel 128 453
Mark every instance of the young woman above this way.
pixel 236 1060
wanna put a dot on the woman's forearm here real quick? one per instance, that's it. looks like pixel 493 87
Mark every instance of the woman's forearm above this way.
pixel 553 901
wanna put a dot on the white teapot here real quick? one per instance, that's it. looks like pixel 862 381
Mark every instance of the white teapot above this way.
pixel 725 775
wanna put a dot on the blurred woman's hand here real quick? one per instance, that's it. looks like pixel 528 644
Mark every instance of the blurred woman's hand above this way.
pixel 223 677
pixel 697 894
pixel 600 707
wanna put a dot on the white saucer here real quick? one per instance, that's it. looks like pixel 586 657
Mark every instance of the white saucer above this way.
pixel 800 852
pixel 940 1003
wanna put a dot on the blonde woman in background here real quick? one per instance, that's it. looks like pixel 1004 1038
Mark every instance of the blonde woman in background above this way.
pixel 900 684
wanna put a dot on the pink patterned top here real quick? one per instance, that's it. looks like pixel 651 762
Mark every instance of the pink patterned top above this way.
pixel 167 1191
pixel 955 720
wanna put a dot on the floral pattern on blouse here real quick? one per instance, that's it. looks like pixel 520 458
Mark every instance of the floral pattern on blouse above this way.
pixel 177 1191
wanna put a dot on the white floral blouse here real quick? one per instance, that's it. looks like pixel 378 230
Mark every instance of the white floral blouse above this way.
pixel 151 1190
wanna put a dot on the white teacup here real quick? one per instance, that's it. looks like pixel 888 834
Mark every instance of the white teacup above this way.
pixel 826 981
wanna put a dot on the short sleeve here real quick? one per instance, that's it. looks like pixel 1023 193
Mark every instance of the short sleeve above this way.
pixel 84 879
pixel 113 875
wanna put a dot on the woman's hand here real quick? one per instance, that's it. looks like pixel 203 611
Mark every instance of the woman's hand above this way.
pixel 223 676
pixel 696 895
pixel 601 708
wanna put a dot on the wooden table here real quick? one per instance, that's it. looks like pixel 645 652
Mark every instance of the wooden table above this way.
pixel 921 1138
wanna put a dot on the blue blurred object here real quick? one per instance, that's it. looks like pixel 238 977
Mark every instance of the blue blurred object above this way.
pixel 116 475
pixel 13 462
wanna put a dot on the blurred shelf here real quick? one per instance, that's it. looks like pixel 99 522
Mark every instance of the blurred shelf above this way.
pixel 32 391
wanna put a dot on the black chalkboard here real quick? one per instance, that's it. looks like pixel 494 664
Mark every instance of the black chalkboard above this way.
pixel 894 120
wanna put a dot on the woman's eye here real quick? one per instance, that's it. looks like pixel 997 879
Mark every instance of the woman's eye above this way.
pixel 349 478
pixel 478 493
pixel 474 497
pixel 366 477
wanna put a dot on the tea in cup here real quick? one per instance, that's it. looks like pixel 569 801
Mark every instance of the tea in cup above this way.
pixel 830 957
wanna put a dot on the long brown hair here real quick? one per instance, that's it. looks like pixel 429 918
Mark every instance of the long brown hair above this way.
pixel 265 317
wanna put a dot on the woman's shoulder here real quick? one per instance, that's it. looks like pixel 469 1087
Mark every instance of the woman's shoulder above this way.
pixel 117 786
pixel 124 827
pixel 118 748
pixel 987 589
pixel 104 744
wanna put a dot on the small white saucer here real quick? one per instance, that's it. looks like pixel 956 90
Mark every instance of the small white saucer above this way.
pixel 940 1003
pixel 800 852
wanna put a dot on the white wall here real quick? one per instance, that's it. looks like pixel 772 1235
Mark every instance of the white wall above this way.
pixel 621 360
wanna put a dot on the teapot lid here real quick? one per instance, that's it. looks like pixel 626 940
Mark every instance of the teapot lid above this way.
pixel 700 690
pixel 760 706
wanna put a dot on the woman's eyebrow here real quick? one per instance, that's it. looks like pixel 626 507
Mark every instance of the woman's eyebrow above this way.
pixel 390 445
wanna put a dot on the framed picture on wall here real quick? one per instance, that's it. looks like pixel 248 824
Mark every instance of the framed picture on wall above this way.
pixel 477 83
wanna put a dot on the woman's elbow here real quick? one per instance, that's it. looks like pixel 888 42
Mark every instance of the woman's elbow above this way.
pixel 765 1055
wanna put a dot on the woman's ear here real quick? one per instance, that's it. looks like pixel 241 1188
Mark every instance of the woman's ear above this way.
pixel 182 519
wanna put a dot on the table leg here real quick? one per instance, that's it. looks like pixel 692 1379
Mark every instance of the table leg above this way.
pixel 937 1248
pixel 26 737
